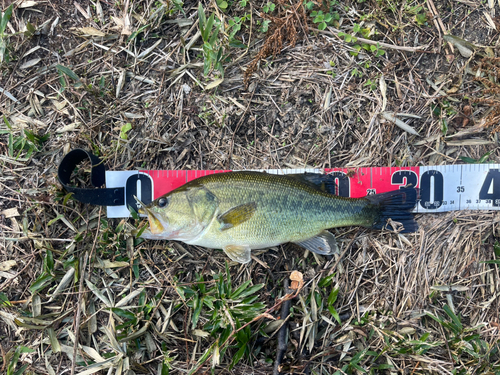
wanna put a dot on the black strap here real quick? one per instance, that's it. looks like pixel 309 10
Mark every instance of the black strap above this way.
pixel 100 197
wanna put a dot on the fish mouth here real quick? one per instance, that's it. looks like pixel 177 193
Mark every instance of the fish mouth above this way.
pixel 155 225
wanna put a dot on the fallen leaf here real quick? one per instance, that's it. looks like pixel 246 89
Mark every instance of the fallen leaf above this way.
pixel 27 4
pixel 10 212
pixel 464 47
pixel 268 316
pixel 214 84
pixel 297 280
pixel 90 31
pixel 118 21
pixel 121 82
pixel 81 10
pixel 383 91
pixel 489 52
pixel 489 20
pixel 200 333
pixel 390 117
pixel 398 87
pixel 7 265
pixel 467 111
pixel 126 28
pixel 470 142
pixel 450 288
pixel 30 63
pixel 68 128
pixel 109 264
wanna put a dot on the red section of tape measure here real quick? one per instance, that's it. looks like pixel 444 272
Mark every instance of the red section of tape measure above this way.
pixel 362 181
pixel 167 180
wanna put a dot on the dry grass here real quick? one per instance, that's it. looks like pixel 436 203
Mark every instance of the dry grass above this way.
pixel 422 303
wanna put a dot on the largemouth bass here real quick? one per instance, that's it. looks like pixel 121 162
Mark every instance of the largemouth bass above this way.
pixel 242 211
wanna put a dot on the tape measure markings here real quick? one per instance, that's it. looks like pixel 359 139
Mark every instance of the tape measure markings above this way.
pixel 442 188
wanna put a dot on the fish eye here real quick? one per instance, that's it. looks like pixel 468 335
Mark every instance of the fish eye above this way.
pixel 162 202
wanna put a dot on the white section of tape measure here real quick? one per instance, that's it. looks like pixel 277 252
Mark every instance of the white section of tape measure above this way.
pixel 118 179
pixel 457 187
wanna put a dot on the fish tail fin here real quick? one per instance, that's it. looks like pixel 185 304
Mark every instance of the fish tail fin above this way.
pixel 397 206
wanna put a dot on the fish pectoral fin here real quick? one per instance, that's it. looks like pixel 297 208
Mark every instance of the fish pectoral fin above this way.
pixel 324 244
pixel 238 253
pixel 236 215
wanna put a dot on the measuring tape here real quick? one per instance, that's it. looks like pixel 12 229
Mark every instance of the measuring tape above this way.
pixel 442 188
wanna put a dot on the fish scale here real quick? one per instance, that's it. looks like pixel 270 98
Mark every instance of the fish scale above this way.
pixel 307 211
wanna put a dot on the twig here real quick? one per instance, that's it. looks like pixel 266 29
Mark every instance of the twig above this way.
pixel 332 31
pixel 343 253
pixel 304 30
pixel 80 295
pixel 242 117
pixel 4 358
pixel 438 23
pixel 79 312
pixel 447 346
pixel 435 13
pixel 282 333
pixel 415 368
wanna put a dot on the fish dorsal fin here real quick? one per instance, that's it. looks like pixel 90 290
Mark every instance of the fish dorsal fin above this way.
pixel 322 182
pixel 236 215
pixel 238 253
pixel 203 203
pixel 324 244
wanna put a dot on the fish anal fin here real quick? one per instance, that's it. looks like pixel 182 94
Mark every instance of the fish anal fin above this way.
pixel 324 244
pixel 237 215
pixel 238 253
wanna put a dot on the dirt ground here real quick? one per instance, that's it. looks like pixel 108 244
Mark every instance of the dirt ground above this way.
pixel 127 82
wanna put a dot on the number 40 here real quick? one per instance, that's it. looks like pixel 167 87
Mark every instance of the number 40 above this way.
pixel 491 187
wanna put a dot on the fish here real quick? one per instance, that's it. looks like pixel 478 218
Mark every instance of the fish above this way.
pixel 243 211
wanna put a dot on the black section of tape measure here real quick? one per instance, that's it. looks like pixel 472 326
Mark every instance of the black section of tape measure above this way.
pixel 100 197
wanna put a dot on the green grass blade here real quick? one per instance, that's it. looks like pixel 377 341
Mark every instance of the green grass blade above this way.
pixel 453 317
pixel 5 18
pixel 208 28
pixel 202 19
pixel 251 290
pixel 496 261
pixel 68 72
pixel 215 35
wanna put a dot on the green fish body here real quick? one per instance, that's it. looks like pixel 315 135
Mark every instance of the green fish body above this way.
pixel 242 211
